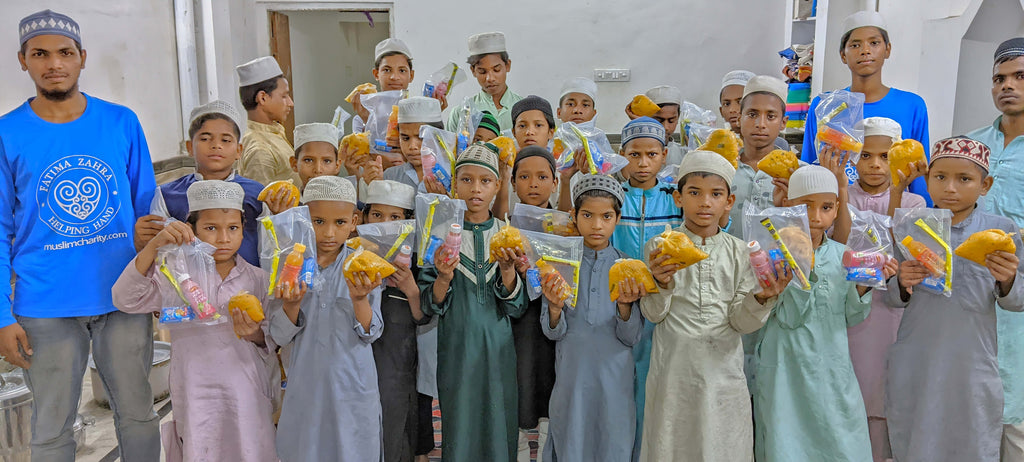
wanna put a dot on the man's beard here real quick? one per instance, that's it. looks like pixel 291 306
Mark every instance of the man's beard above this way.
pixel 57 96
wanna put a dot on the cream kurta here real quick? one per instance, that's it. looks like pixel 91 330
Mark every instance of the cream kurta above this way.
pixel 698 406
pixel 266 154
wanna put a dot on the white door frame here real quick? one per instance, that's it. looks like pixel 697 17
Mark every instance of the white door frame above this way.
pixel 263 7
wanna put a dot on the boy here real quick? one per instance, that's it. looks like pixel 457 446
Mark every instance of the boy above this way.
pixel 489 63
pixel 864 47
pixel 533 124
pixel 730 96
pixel 944 397
pixel 213 142
pixel 576 103
pixel 332 409
pixel 474 300
pixel 265 95
pixel 488 129
pixel 413 113
pixel 669 99
pixel 392 69
pixel 316 151
pixel 700 407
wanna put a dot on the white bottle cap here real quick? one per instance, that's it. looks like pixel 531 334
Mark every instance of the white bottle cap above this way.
pixel 406 250
pixel 456 228
pixel 753 246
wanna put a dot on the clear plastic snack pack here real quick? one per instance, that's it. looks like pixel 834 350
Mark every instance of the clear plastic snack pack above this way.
pixel 468 119
pixel 550 254
pixel 159 207
pixel 785 230
pixel 840 121
pixel 868 248
pixel 437 154
pixel 388 238
pixel 188 274
pixel 698 134
pixel 440 83
pixel 690 114
pixel 288 248
pixel 923 234
pixel 592 143
pixel 380 105
pixel 435 216
pixel 542 220
pixel 625 268
pixel 339 118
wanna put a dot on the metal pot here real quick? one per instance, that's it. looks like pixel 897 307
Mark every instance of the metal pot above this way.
pixel 159 376
pixel 15 418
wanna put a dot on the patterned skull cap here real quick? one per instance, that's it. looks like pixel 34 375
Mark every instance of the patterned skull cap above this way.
pixel 961 147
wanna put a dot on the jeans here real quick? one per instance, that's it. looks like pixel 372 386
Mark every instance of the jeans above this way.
pixel 122 346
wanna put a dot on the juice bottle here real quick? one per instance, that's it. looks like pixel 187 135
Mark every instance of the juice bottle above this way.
pixel 404 257
pixel 196 298
pixel 931 260
pixel 852 259
pixel 761 263
pixel 453 242
pixel 393 123
pixel 545 269
pixel 293 265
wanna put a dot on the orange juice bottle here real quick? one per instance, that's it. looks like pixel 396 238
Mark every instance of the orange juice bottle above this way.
pixel 393 123
pixel 293 265
pixel 545 269
pixel 931 260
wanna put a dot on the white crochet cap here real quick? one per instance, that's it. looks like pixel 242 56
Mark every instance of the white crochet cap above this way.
pixel 883 126
pixel 218 107
pixel 419 109
pixel 486 43
pixel 258 70
pixel 706 161
pixel 769 84
pixel 812 179
pixel 318 131
pixel 599 183
pixel 391 45
pixel 389 192
pixel 329 188
pixel 579 85
pixel 665 94
pixel 214 194
pixel 863 19
pixel 739 77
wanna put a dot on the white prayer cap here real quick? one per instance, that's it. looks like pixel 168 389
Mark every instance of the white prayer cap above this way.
pixel 214 194
pixel 863 19
pixel 391 45
pixel 579 85
pixel 305 133
pixel 218 107
pixel 393 193
pixel 665 94
pixel 258 70
pixel 329 188
pixel 486 43
pixel 812 179
pixel 883 126
pixel 769 84
pixel 737 78
pixel 706 161
pixel 419 109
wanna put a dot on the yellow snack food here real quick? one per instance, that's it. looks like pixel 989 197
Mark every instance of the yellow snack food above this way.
pixel 360 142
pixel 357 242
pixel 363 260
pixel 799 244
pixel 624 268
pixel 274 187
pixel 248 303
pixel 506 238
pixel 506 149
pixel 778 162
pixel 363 89
pixel 982 243
pixel 680 248
pixel 901 155
pixel 643 106
pixel 723 142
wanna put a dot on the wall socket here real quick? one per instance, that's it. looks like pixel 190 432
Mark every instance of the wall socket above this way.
pixel 611 75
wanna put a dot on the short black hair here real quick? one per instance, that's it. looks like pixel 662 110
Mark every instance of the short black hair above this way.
pixel 193 218
pixel 409 214
pixel 596 193
pixel 24 47
pixel 249 93
pixel 376 64
pixel 685 178
pixel 475 59
pixel 562 99
pixel 1006 58
pixel 194 127
pixel 547 118
pixel 846 37
pixel 298 151
pixel 782 104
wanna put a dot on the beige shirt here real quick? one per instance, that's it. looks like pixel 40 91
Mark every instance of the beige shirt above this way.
pixel 266 154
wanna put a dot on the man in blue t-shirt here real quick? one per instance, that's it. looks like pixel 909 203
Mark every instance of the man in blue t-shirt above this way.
pixel 864 47
pixel 75 173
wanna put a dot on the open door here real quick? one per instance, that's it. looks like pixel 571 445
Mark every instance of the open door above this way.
pixel 281 50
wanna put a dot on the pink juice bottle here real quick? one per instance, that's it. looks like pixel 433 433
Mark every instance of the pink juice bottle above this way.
pixel 404 257
pixel 761 263
pixel 196 298
pixel 453 242
pixel 852 259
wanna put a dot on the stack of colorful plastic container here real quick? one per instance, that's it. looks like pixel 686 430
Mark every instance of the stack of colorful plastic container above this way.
pixel 797 105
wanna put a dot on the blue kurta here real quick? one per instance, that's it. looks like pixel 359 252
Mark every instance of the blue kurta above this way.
pixel 592 408
pixel 177 206
pixel 807 404
pixel 331 409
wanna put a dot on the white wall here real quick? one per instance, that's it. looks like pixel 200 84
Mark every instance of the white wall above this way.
pixel 131 61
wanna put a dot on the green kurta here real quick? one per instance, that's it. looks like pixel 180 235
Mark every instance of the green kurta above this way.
pixel 476 357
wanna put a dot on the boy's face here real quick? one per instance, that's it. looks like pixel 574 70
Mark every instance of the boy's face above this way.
pixel 956 184
pixel 215 146
pixel 221 228
pixel 762 119
pixel 532 129
pixel 873 163
pixel 394 73
pixel 704 200
pixel 410 141
pixel 484 134
pixel 534 182
pixel 576 108
pixel 729 101
pixel 477 186
pixel 278 103
pixel 646 157
pixel 490 73
pixel 596 220
pixel 54 64
pixel 316 158
pixel 380 213
pixel 865 51
pixel 669 118
pixel 821 212
pixel 1008 86
pixel 333 222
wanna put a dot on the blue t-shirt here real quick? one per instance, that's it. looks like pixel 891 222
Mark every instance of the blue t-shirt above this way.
pixel 177 206
pixel 69 197
pixel 906 108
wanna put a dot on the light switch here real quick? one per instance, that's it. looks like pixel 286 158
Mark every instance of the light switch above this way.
pixel 611 75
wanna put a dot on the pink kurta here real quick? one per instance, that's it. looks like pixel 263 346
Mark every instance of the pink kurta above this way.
pixel 870 340
pixel 220 385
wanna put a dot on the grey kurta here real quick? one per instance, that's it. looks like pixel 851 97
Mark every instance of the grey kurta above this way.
pixel 331 408
pixel 593 414
pixel 944 397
